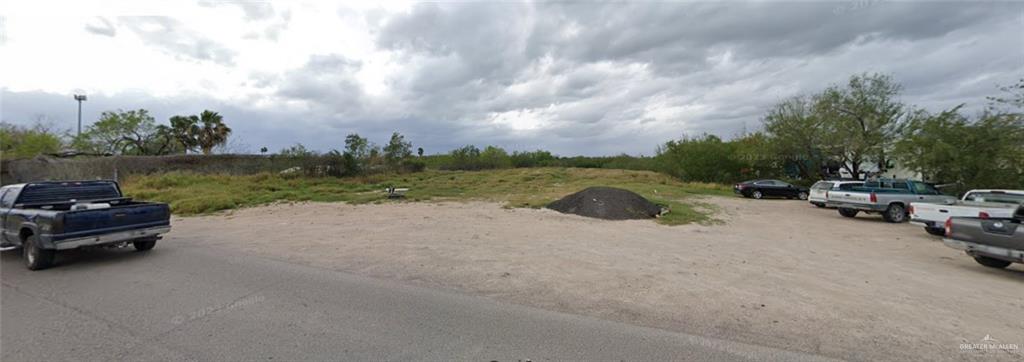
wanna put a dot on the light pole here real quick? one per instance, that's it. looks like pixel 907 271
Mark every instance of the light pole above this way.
pixel 80 98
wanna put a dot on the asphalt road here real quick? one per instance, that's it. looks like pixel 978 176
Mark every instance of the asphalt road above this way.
pixel 182 302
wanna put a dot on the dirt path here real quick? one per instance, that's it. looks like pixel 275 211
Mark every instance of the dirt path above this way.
pixel 778 273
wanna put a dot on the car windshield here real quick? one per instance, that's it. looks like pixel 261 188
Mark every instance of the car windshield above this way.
pixel 822 185
pixel 1000 197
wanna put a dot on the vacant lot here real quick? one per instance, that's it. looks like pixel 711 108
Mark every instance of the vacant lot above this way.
pixel 775 272
pixel 190 194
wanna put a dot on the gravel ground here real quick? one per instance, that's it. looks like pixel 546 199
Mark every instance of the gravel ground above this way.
pixel 777 273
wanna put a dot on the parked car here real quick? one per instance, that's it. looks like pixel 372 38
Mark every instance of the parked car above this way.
pixel 995 243
pixel 889 197
pixel 770 188
pixel 818 195
pixel 44 217
pixel 996 204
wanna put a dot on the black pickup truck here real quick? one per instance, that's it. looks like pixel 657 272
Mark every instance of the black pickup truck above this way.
pixel 44 217
pixel 992 242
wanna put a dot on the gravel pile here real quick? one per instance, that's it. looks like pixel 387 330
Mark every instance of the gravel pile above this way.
pixel 607 203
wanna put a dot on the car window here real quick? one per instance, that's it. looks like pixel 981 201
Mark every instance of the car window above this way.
pixel 924 189
pixel 1000 197
pixel 7 199
pixel 848 186
pixel 900 185
pixel 822 185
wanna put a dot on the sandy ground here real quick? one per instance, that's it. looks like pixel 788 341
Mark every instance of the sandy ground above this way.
pixel 777 273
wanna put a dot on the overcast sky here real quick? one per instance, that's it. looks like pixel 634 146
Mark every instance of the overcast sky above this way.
pixel 571 77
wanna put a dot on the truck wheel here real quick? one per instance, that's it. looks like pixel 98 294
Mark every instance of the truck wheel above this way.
pixel 756 194
pixel 848 212
pixel 802 196
pixel 35 257
pixel 935 231
pixel 895 214
pixel 992 262
pixel 144 245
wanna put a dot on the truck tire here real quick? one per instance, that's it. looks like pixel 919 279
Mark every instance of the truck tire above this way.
pixel 756 194
pixel 895 214
pixel 935 231
pixel 848 212
pixel 992 262
pixel 144 245
pixel 35 257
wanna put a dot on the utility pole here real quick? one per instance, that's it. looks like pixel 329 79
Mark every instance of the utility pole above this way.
pixel 80 98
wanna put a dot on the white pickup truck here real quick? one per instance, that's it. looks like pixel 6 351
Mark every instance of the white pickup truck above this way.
pixel 996 204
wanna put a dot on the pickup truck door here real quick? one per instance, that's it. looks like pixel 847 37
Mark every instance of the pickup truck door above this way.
pixel 5 208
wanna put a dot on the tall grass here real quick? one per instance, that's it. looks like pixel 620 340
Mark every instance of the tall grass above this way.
pixel 190 193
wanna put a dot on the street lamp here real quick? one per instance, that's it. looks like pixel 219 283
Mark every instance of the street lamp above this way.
pixel 80 98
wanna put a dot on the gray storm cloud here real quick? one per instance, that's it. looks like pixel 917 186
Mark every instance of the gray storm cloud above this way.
pixel 586 78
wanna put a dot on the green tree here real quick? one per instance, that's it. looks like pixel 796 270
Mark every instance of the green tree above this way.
pixel 865 114
pixel 795 134
pixel 212 131
pixel 357 146
pixel 706 158
pixel 948 147
pixel 132 132
pixel 20 142
pixel 397 150
pixel 493 157
pixel 186 131
pixel 465 158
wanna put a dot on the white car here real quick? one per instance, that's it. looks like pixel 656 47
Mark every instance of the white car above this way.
pixel 996 204
pixel 818 195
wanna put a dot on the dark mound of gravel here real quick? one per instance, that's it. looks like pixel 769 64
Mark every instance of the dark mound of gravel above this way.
pixel 607 203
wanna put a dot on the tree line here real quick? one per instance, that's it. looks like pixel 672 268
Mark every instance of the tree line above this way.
pixel 863 128
pixel 131 132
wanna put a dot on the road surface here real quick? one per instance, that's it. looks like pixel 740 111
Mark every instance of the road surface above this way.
pixel 204 303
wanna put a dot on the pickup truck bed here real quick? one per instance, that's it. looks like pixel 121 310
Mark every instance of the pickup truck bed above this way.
pixel 993 243
pixel 996 204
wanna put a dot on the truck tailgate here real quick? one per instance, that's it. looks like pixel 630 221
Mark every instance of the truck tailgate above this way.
pixel 1000 233
pixel 81 223
pixel 939 213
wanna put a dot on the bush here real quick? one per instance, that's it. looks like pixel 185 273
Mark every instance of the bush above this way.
pixel 532 159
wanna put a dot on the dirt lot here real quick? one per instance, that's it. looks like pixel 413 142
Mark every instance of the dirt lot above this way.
pixel 777 272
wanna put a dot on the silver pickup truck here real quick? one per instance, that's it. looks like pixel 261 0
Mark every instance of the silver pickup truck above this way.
pixel 889 197
pixel 995 243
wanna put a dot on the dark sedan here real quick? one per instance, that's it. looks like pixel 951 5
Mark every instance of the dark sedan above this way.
pixel 770 188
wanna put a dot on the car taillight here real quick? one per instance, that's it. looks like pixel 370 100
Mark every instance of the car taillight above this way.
pixel 910 210
pixel 949 227
pixel 983 215
pixel 826 194
pixel 874 198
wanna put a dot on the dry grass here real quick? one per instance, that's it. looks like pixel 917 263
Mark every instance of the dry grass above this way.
pixel 190 193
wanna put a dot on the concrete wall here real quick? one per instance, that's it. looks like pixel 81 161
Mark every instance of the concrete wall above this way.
pixel 44 168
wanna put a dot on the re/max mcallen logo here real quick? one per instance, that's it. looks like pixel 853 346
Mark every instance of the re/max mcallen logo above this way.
pixel 989 343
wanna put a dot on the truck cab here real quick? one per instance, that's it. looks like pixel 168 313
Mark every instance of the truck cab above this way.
pixel 889 197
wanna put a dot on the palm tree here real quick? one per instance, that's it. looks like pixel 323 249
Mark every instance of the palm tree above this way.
pixel 186 131
pixel 212 132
